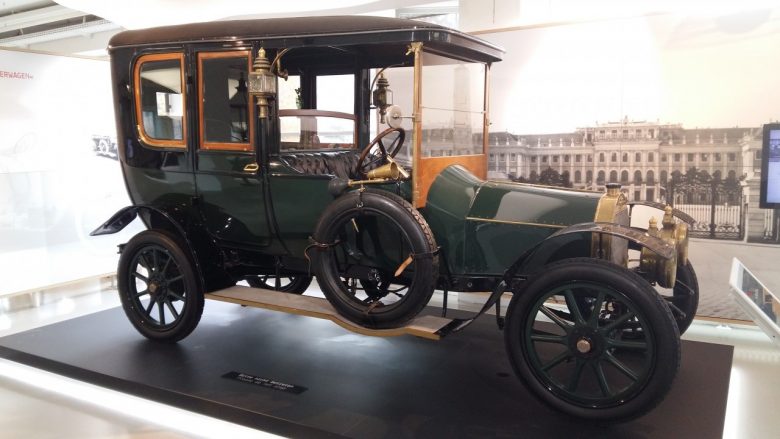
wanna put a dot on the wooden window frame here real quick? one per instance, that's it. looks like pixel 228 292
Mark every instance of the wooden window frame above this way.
pixel 225 146
pixel 142 135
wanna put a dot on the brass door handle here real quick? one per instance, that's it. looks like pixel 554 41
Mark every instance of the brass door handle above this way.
pixel 252 167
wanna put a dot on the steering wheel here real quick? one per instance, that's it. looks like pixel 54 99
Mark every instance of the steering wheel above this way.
pixel 376 153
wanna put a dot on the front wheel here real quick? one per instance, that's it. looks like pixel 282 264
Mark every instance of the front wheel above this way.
pixel 159 290
pixel 593 340
pixel 684 300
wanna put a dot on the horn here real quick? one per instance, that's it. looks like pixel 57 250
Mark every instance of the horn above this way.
pixel 389 170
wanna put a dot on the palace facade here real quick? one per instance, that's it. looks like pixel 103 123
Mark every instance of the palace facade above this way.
pixel 640 155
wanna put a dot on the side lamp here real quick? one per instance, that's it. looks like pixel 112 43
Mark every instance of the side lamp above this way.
pixel 262 83
pixel 382 96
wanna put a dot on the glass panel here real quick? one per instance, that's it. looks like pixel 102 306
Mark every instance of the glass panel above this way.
pixel 316 132
pixel 453 105
pixel 162 106
pixel 336 93
pixel 225 100
pixel 290 93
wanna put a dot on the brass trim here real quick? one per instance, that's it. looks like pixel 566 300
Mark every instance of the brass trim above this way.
pixel 521 223
pixel 416 48
pixel 251 167
pixel 545 186
pixel 486 114
pixel 224 146
pixel 145 138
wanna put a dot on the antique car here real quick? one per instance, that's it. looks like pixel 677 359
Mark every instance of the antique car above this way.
pixel 354 150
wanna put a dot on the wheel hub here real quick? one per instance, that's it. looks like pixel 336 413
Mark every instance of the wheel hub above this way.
pixel 584 346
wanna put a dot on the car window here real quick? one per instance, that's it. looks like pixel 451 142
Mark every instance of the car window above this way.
pixel 159 98
pixel 316 130
pixel 224 105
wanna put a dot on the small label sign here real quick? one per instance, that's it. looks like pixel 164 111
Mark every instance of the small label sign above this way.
pixel 264 382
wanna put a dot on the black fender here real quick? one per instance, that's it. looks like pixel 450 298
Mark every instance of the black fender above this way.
pixel 539 254
pixel 206 254
pixel 544 252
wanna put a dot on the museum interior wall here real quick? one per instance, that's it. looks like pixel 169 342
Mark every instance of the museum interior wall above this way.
pixel 59 177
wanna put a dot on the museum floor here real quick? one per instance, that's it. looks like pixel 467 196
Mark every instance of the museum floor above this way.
pixel 34 403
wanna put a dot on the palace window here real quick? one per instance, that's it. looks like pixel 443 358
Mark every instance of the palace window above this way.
pixel 578 158
pixel 732 157
pixel 690 157
pixel 650 157
pixel 638 157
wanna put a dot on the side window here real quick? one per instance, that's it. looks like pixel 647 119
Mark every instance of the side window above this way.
pixel 159 100
pixel 225 107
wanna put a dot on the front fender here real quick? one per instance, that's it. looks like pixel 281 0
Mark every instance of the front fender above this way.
pixel 544 252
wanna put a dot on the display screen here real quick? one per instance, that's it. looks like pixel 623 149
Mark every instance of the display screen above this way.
pixel 770 167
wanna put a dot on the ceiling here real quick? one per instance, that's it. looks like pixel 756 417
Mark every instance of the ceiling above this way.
pixel 84 27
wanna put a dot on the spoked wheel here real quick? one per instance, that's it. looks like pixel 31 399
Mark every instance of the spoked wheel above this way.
pixel 158 288
pixel 378 264
pixel 593 340
pixel 684 300
pixel 294 284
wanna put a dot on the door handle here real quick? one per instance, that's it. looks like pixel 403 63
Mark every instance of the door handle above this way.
pixel 252 167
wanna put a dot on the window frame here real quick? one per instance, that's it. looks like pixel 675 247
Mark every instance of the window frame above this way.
pixel 143 136
pixel 224 146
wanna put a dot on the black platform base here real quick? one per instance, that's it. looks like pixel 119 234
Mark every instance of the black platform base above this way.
pixel 305 377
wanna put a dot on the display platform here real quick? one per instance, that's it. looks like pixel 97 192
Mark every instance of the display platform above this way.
pixel 303 377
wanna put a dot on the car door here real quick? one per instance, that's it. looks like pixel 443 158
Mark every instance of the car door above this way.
pixel 229 184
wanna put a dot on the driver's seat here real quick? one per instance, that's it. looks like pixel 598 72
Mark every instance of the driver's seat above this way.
pixel 342 164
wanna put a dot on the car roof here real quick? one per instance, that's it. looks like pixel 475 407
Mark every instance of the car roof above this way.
pixel 317 31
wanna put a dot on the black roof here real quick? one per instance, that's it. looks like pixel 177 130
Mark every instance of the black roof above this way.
pixel 316 31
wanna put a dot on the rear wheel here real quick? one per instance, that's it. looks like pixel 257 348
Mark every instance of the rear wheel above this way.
pixel 159 290
pixel 294 284
pixel 593 340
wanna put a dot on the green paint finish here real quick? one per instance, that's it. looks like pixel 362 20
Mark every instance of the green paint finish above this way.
pixel 480 224
pixel 501 201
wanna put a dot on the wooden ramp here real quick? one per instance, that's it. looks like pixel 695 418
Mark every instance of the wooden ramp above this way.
pixel 421 326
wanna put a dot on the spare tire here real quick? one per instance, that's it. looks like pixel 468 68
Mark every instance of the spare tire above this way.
pixel 377 260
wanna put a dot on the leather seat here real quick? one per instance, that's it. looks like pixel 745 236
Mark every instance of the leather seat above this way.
pixel 342 164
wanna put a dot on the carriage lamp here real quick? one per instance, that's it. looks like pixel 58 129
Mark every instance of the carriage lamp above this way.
pixel 262 83
pixel 383 96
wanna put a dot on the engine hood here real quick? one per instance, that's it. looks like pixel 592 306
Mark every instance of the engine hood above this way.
pixel 486 225
pixel 533 205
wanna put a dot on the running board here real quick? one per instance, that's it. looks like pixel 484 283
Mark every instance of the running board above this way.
pixel 429 327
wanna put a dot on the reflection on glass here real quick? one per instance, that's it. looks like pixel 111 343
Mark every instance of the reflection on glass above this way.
pixel 756 292
pixel 306 130
pixel 453 106
pixel 225 100
pixel 162 107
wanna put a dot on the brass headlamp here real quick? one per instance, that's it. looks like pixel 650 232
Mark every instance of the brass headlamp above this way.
pixel 262 83
pixel 382 96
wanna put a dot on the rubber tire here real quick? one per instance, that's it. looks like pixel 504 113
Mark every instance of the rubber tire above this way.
pixel 686 275
pixel 421 241
pixel 644 297
pixel 193 306
pixel 298 285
